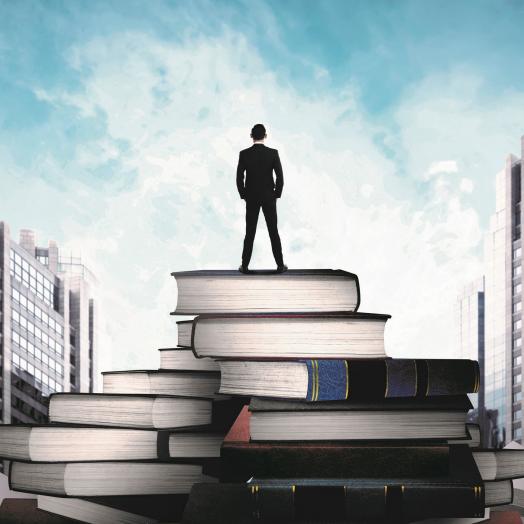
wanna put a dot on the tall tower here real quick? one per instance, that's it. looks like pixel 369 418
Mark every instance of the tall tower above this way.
pixel 503 305
pixel 47 327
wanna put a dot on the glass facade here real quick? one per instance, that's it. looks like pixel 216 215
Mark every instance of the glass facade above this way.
pixel 26 273
pixel 495 379
pixel 39 314
pixel 471 329
pixel 503 348
pixel 516 348
pixel 45 324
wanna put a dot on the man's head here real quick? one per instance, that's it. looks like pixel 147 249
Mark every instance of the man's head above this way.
pixel 258 132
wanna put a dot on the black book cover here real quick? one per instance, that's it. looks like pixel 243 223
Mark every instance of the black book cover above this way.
pixel 443 403
pixel 242 461
pixel 459 494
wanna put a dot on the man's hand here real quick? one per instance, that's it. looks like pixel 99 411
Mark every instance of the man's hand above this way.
pixel 279 184
pixel 240 178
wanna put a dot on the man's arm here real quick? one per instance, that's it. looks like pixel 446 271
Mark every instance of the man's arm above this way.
pixel 240 177
pixel 279 184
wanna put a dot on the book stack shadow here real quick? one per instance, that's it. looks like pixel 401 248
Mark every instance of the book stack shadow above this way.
pixel 335 431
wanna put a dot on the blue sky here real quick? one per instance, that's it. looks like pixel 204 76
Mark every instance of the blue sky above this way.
pixel 120 125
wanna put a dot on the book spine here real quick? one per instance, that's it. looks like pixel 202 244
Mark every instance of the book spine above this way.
pixel 360 502
pixel 355 502
pixel 357 288
pixel 162 445
pixel 193 329
pixel 242 462
pixel 390 378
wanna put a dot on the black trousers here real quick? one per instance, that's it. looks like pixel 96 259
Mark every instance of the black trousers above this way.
pixel 269 208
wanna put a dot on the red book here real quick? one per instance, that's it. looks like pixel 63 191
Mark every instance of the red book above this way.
pixel 504 517
pixel 239 431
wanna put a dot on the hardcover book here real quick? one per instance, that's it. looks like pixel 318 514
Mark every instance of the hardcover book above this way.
pixel 500 463
pixel 183 358
pixel 94 479
pixel 81 444
pixel 461 493
pixel 432 418
pixel 159 382
pixel 184 328
pixel 319 380
pixel 138 411
pixel 243 459
pixel 297 290
pixel 290 336
pixel 360 502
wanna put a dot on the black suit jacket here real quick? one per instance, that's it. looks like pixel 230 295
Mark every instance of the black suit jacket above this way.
pixel 258 162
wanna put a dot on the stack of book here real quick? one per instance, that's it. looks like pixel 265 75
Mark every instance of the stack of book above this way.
pixel 130 454
pixel 335 430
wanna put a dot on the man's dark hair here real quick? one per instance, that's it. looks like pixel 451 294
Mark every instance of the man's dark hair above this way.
pixel 258 132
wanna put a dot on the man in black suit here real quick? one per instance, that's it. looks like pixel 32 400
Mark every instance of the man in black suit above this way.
pixel 259 190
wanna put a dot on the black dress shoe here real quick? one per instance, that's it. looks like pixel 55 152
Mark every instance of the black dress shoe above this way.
pixel 282 268
pixel 243 269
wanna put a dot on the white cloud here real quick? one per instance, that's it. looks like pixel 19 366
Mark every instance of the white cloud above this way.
pixel 467 185
pixel 366 190
pixel 452 115
pixel 184 112
pixel 443 166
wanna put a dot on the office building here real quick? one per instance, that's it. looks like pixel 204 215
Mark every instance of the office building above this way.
pixel 503 307
pixel 47 326
pixel 470 306
pixel 471 343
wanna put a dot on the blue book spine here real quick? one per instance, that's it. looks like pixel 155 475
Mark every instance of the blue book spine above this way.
pixel 327 380
pixel 390 378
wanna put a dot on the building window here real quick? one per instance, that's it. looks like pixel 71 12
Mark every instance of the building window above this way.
pixel 518 342
pixel 38 354
pixel 517 253
pixel 517 434
pixel 517 397
pixel 517 306
pixel 517 324
pixel 30 277
pixel 517 379
pixel 517 271
pixel 40 314
pixel 517 361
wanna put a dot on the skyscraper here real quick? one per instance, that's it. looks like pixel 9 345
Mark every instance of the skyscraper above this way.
pixel 47 326
pixel 471 339
pixel 503 305
pixel 470 305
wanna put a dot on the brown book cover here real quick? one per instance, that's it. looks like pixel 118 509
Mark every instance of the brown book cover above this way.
pixel 25 511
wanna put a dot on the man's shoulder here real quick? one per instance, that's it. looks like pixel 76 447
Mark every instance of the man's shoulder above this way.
pixel 250 150
pixel 263 147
